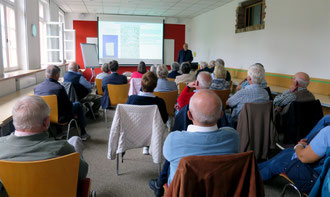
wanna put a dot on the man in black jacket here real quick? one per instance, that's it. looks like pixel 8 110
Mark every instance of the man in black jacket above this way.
pixel 185 55
pixel 66 109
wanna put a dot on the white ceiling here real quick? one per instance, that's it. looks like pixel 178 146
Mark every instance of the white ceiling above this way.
pixel 167 8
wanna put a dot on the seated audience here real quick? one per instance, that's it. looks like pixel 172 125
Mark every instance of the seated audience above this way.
pixel 253 93
pixel 297 92
pixel 221 62
pixel 212 65
pixel 303 163
pixel 203 67
pixel 164 85
pixel 203 137
pixel 114 78
pixel 140 71
pixel 31 142
pixel 153 69
pixel 244 83
pixel 66 109
pixel 146 97
pixel 105 71
pixel 193 69
pixel 186 76
pixel 175 67
pixel 219 81
pixel 82 88
pixel 203 81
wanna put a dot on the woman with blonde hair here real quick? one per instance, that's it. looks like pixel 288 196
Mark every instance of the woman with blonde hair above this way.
pixel 219 82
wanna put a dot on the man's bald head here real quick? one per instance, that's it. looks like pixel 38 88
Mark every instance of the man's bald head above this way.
pixel 204 80
pixel 205 108
pixel 73 66
pixel 302 79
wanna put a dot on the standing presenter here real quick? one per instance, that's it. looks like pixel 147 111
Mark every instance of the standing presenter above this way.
pixel 185 55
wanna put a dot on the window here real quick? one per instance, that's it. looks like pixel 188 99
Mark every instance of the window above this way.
pixel 9 35
pixel 250 16
pixel 43 18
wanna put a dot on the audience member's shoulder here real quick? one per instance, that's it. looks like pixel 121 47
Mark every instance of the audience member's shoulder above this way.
pixel 228 130
pixel 62 146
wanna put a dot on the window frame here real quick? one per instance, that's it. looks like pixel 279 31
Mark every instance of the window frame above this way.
pixel 243 19
pixel 43 32
pixel 11 5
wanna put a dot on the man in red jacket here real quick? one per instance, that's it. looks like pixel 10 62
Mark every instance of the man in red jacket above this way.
pixel 203 81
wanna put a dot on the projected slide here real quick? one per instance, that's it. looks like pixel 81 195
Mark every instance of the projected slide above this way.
pixel 130 42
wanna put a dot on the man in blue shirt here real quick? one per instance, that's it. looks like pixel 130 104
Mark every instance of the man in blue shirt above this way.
pixel 203 137
pixel 185 55
pixel 308 153
pixel 254 93
pixel 82 87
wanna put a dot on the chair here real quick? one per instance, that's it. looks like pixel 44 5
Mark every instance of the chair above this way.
pixel 300 120
pixel 51 177
pixel 224 95
pixel 256 129
pixel 269 93
pixel 71 91
pixel 135 86
pixel 51 100
pixel 118 94
pixel 170 79
pixel 217 175
pixel 170 100
pixel 136 126
pixel 181 87
pixel 99 86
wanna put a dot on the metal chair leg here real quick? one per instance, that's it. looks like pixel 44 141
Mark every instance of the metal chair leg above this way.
pixel 69 128
pixel 90 109
pixel 105 117
pixel 117 166
pixel 290 185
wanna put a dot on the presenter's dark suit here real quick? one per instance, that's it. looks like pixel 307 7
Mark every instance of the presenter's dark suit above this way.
pixel 114 78
pixel 52 87
pixel 185 56
pixel 145 100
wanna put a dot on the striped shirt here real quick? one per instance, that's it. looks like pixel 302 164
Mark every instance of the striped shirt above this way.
pixel 253 93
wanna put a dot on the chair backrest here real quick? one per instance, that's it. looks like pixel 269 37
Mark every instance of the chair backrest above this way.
pixel 118 94
pixel 137 126
pixel 269 93
pixel 217 175
pixel 135 86
pixel 99 86
pixel 51 177
pixel 300 120
pixel 224 95
pixel 71 91
pixel 170 100
pixel 170 79
pixel 181 87
pixel 51 100
pixel 256 128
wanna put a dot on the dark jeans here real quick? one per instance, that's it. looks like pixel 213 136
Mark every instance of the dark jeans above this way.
pixel 78 110
pixel 163 177
pixel 275 165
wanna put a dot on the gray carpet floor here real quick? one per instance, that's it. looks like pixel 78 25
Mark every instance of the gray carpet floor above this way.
pixel 134 173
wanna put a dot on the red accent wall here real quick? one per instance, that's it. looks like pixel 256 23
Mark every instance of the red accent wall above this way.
pixel 178 33
pixel 86 29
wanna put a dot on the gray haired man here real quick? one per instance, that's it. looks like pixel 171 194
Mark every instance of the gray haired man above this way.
pixel 30 141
